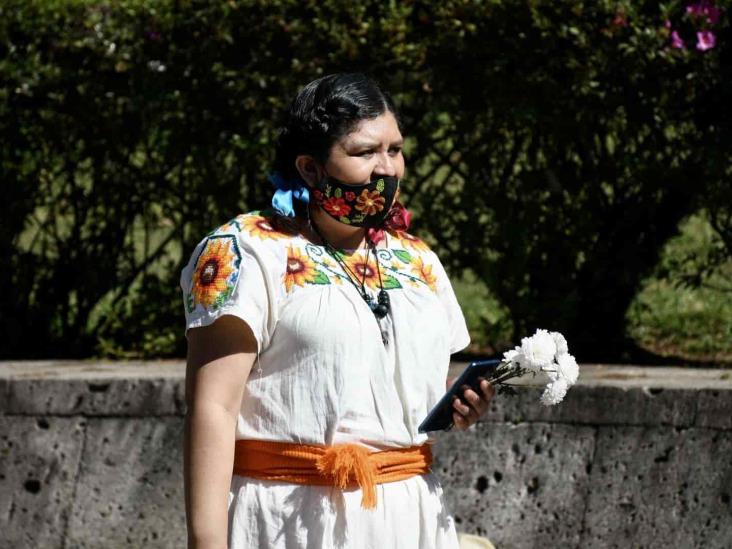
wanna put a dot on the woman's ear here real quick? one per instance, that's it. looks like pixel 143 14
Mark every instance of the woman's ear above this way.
pixel 309 169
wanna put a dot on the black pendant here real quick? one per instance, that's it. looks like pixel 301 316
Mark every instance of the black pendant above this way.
pixel 381 307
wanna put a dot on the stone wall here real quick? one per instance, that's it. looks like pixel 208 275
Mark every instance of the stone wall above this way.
pixel 90 457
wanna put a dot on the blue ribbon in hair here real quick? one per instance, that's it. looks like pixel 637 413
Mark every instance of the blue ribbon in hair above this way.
pixel 285 191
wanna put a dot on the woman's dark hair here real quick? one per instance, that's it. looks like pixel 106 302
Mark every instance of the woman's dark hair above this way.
pixel 324 111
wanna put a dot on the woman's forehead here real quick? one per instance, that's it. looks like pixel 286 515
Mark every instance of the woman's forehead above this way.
pixel 383 128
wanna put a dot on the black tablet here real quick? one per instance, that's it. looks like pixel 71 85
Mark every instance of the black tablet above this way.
pixel 440 417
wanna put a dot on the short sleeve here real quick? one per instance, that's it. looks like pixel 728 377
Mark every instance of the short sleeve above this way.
pixel 227 276
pixel 459 336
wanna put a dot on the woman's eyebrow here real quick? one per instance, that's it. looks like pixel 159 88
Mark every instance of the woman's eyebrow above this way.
pixel 373 144
pixel 363 144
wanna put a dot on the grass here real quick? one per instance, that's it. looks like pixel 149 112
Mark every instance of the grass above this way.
pixel 671 319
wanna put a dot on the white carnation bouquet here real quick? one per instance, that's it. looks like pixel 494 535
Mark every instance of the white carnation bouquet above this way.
pixel 543 353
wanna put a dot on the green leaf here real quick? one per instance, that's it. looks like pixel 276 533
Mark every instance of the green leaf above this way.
pixel 320 278
pixel 344 219
pixel 338 193
pixel 380 185
pixel 403 255
pixel 391 283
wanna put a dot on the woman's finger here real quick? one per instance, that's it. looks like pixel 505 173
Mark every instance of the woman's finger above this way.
pixel 461 407
pixel 489 391
pixel 460 422
pixel 478 404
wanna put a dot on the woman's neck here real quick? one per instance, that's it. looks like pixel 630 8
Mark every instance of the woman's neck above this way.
pixel 337 234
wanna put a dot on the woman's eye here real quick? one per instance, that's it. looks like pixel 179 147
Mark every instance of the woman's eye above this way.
pixel 365 153
pixel 395 151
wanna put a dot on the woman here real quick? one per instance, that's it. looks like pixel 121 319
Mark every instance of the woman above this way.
pixel 319 336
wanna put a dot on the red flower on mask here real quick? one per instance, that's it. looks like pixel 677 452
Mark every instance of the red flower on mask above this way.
pixel 350 196
pixel 336 206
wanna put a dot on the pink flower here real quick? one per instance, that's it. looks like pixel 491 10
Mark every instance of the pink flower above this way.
pixel 667 24
pixel 704 8
pixel 398 218
pixel 619 20
pixel 676 41
pixel 705 40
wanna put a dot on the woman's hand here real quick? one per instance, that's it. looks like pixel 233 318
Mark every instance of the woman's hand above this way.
pixel 469 408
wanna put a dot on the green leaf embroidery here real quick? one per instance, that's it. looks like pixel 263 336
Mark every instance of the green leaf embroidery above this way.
pixel 403 255
pixel 223 297
pixel 338 193
pixel 189 303
pixel 320 278
pixel 357 218
pixel 380 185
pixel 391 283
pixel 344 219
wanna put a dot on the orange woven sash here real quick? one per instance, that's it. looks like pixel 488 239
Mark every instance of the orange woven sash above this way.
pixel 343 466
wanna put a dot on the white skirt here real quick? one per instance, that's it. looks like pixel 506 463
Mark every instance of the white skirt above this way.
pixel 410 514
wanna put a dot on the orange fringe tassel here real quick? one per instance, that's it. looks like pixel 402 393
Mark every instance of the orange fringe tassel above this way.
pixel 343 466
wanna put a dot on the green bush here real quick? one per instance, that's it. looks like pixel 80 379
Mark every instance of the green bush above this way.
pixel 554 148
pixel 685 309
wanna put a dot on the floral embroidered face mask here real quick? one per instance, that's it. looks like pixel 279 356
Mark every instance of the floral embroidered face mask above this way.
pixel 357 205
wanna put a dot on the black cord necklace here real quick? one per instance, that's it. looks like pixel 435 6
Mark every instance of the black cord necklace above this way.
pixel 381 307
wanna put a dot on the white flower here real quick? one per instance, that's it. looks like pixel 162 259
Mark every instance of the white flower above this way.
pixel 513 356
pixel 554 392
pixel 560 342
pixel 567 368
pixel 539 350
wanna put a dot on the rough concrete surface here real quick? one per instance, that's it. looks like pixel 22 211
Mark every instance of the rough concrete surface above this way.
pixel 39 462
pixel 519 485
pixel 660 488
pixel 81 388
pixel 131 485
pixel 634 457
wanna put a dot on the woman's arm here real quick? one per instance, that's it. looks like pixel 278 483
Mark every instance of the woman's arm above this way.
pixel 220 358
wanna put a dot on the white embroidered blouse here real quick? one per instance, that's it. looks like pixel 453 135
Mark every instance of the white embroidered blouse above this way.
pixel 324 376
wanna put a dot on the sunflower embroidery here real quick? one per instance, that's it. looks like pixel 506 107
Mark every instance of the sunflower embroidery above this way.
pixel 370 202
pixel 366 271
pixel 260 227
pixel 409 241
pixel 424 273
pixel 301 270
pixel 363 268
pixel 216 272
pixel 231 225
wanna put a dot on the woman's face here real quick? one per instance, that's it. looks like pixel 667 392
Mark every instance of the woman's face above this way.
pixel 374 148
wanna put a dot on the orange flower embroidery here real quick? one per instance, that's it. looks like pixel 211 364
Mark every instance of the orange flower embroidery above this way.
pixel 364 270
pixel 231 225
pixel 260 227
pixel 424 273
pixel 212 278
pixel 300 269
pixel 409 241
pixel 370 202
